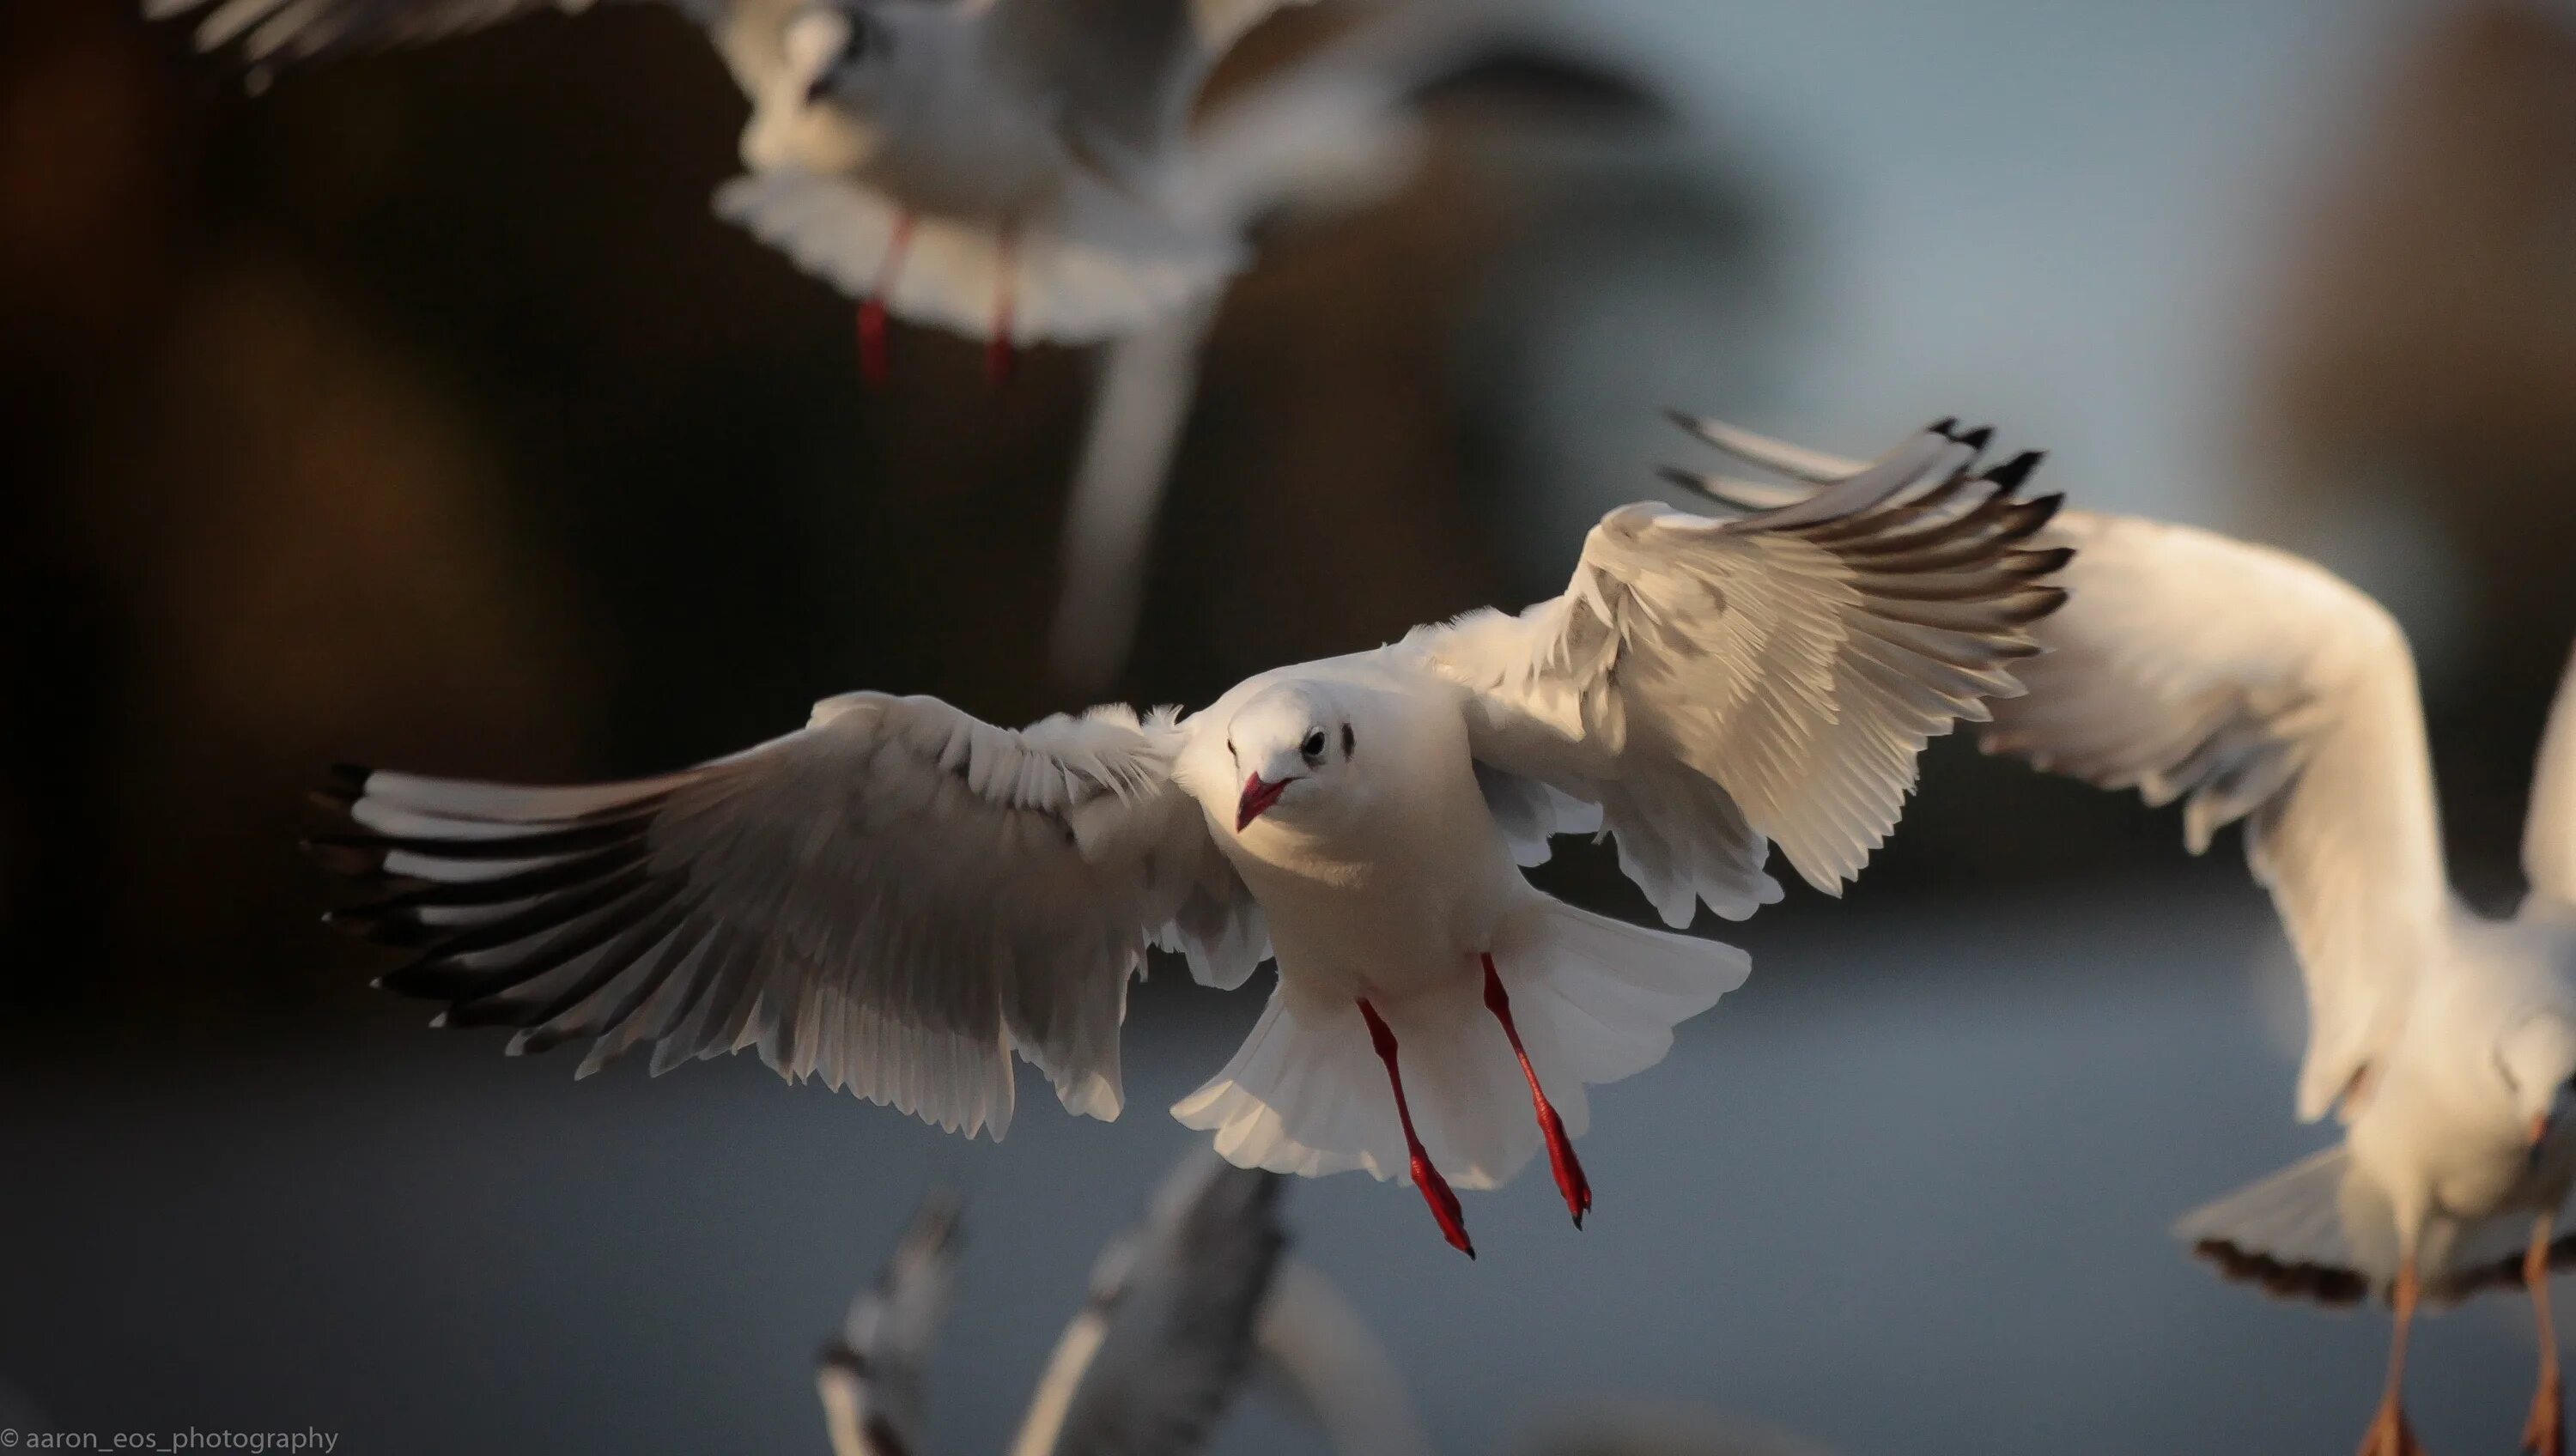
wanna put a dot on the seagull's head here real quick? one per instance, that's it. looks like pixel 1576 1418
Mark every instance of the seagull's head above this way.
pixel 2537 1059
pixel 841 65
pixel 1292 748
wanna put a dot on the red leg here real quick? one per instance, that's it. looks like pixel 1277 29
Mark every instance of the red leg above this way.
pixel 1560 1148
pixel 873 351
pixel 1000 354
pixel 1435 1189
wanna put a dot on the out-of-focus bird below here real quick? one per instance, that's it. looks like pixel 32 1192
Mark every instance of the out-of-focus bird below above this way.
pixel 2254 685
pixel 1158 1352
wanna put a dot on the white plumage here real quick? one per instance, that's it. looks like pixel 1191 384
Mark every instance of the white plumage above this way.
pixel 1171 1328
pixel 899 897
pixel 2254 685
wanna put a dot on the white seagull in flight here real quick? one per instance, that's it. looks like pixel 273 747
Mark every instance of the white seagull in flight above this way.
pixel 1166 1339
pixel 898 897
pixel 2256 685
pixel 1013 170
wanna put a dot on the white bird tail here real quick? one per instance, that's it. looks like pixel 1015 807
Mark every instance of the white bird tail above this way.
pixel 1097 265
pixel 2315 1231
pixel 1595 1000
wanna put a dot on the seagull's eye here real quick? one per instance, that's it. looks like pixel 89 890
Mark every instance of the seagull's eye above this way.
pixel 1313 747
pixel 1349 740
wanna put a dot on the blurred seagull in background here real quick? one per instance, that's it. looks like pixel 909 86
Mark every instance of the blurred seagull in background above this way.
pixel 1157 1354
pixel 2256 685
pixel 1013 170
pixel 1333 133
pixel 898 897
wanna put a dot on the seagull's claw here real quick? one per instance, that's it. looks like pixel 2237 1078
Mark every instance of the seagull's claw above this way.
pixel 2390 1435
pixel 1445 1209
pixel 2545 1434
pixel 1567 1167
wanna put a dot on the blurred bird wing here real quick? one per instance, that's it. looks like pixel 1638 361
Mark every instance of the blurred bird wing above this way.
pixel 275 32
pixel 1334 1369
pixel 2256 685
pixel 1715 686
pixel 1119 75
pixel 1167 1337
pixel 894 899
pixel 2549 832
pixel 870 1379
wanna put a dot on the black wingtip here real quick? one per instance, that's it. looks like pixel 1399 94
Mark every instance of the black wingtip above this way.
pixel 1682 417
pixel 2013 472
pixel 1944 425
pixel 1978 438
pixel 333 799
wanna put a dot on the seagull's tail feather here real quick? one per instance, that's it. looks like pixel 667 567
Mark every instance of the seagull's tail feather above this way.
pixel 1094 267
pixel 2310 1231
pixel 1594 999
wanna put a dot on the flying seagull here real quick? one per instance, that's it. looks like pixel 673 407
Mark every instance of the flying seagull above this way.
pixel 1013 170
pixel 898 897
pixel 2255 685
pixel 1334 133
pixel 1147 1367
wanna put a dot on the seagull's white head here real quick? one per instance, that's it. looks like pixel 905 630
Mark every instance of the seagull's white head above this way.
pixel 2537 1058
pixel 1294 747
pixel 842 67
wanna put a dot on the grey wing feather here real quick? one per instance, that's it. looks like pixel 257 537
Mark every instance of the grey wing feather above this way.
pixel 1719 686
pixel 1170 1333
pixel 894 900
pixel 274 32
pixel 870 1378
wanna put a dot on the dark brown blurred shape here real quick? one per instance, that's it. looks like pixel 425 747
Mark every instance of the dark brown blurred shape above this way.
pixel 417 411
pixel 2424 346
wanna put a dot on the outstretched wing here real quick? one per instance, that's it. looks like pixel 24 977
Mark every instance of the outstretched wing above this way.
pixel 2255 685
pixel 870 1378
pixel 275 32
pixel 1168 1335
pixel 2250 683
pixel 893 899
pixel 2549 832
pixel 1719 685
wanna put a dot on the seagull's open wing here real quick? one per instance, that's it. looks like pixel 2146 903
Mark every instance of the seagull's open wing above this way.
pixel 2260 686
pixel 2549 833
pixel 1122 73
pixel 870 1378
pixel 1713 685
pixel 893 899
pixel 1168 1335
pixel 272 32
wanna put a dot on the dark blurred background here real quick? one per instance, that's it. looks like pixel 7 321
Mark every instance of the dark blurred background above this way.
pixel 418 411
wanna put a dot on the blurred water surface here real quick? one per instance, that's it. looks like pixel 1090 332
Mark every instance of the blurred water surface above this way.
pixel 1907 1192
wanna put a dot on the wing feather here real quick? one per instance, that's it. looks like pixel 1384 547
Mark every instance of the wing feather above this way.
pixel 1719 686
pixel 893 900
pixel 870 1377
pixel 2549 833
pixel 2255 685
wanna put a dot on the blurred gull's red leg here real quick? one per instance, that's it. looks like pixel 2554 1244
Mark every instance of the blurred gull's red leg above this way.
pixel 874 363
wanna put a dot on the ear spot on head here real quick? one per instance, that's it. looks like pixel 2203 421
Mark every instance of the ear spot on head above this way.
pixel 1348 740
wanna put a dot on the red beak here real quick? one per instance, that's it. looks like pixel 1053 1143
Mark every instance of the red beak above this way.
pixel 1258 796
